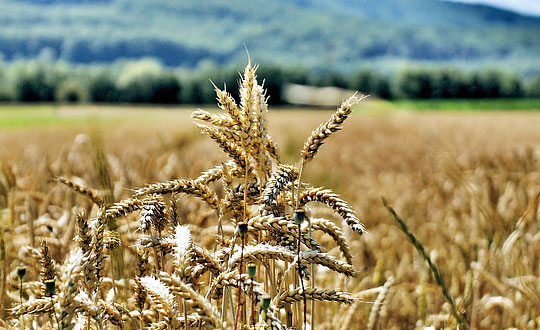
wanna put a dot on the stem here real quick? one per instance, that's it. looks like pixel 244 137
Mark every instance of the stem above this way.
pixel 162 254
pixel 21 298
pixel 238 311
pixel 252 306
pixel 223 307
pixel 4 261
pixel 301 277
pixel 297 199
pixel 20 290
pixel 231 302
pixel 184 306
pixel 55 317
pixel 312 285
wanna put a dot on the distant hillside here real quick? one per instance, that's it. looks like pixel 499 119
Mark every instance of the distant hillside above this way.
pixel 339 34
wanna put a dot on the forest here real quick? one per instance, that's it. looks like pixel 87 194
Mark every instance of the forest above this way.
pixel 147 81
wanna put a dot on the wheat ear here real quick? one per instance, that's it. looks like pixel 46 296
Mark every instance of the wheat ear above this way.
pixel 327 197
pixel 321 133
pixel 184 186
pixel 93 194
pixel 296 295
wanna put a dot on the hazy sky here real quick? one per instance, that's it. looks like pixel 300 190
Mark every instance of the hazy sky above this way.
pixel 530 7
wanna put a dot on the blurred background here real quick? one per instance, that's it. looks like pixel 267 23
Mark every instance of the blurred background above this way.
pixel 165 51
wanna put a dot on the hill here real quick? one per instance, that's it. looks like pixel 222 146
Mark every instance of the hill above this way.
pixel 320 34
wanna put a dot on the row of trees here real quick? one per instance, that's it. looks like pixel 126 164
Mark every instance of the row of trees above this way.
pixel 146 81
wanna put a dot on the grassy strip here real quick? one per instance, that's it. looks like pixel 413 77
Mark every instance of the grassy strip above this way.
pixel 20 116
pixel 465 104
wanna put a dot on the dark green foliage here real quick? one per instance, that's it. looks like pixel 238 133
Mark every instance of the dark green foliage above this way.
pixel 163 88
pixel 102 88
pixel 534 88
pixel 371 82
pixel 331 78
pixel 71 91
pixel 37 83
pixel 146 81
pixel 423 83
pixel 274 81
pixel 415 84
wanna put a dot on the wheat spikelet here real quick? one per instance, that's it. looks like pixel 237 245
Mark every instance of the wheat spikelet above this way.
pixel 93 194
pixel 236 197
pixel 164 245
pixel 69 277
pixel 247 96
pixel 109 312
pixel 159 294
pixel 42 305
pixel 272 148
pixel 185 186
pixel 223 140
pixel 282 176
pixel 328 261
pixel 227 103
pixel 353 310
pixel 202 256
pixel 327 197
pixel 84 237
pixel 86 305
pixel 111 239
pixel 213 174
pixel 47 271
pixel 208 309
pixel 121 209
pixel 321 133
pixel 141 271
pixel 219 120
pixel 222 280
pixel 263 252
pixel 183 251
pixel 160 325
pixel 152 214
pixel 297 294
pixel 98 256
pixel 257 133
pixel 377 305
pixel 335 232
pixel 284 226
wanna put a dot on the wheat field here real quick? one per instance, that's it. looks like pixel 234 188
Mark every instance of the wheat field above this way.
pixel 121 224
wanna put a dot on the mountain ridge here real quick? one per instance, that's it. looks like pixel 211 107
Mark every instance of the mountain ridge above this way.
pixel 316 34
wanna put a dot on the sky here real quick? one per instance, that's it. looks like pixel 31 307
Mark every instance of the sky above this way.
pixel 528 7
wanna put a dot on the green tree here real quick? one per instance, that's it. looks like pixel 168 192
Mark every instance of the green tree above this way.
pixel 534 87
pixel 72 91
pixel 37 82
pixel 102 88
pixel 414 83
pixel 370 82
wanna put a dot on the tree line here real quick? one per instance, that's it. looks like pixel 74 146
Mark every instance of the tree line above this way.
pixel 147 81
